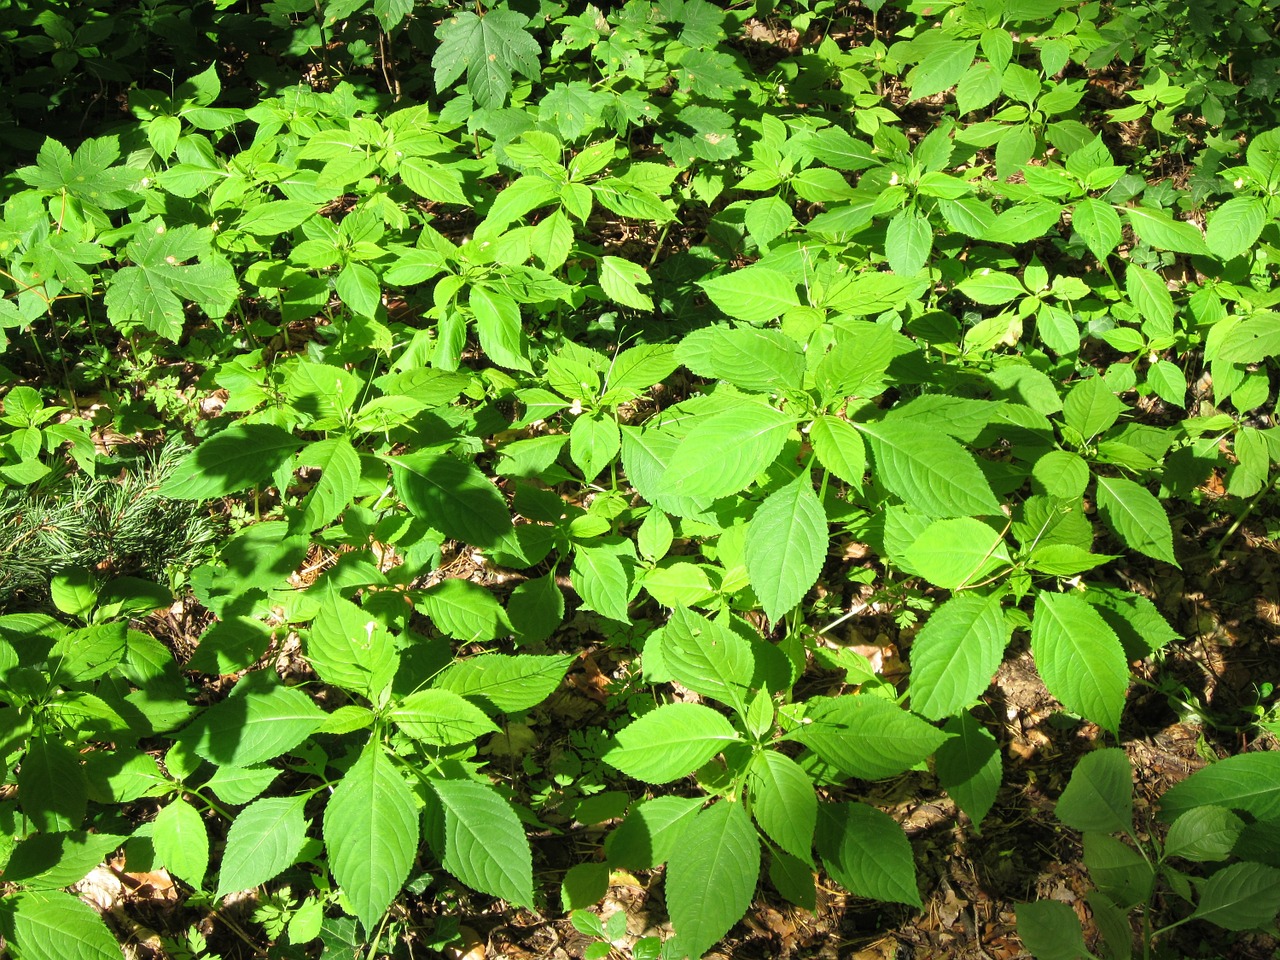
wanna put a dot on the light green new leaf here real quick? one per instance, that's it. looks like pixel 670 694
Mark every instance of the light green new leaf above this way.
pixel 707 657
pixel 929 471
pixel 1150 297
pixel 275 217
pixel 349 648
pixel 441 717
pixel 669 742
pixel 991 287
pixel 594 440
pixel 942 64
pixel 621 281
pixel 953 553
pixel 907 242
pixel 1099 796
pixel 1242 896
pixel 839 448
pixel 1080 658
pixel 1234 227
pixel 650 831
pixel 50 925
pixel 767 219
pixel 1137 517
pixel 453 496
pixel 867 852
pixel 783 802
pixel 711 876
pixel 746 439
pixel 499 327
pixel 265 839
pixel 1091 407
pixel 751 359
pixel 371 833
pixel 866 736
pixel 253 726
pixel 1247 782
pixel 432 180
pixel 786 544
pixel 485 844
pixel 1099 225
pixel 243 455
pixel 489 49
pixel 602 582
pixel 464 610
pixel 753 295
pixel 956 654
pixel 182 842
pixel 505 683
pixel 1165 233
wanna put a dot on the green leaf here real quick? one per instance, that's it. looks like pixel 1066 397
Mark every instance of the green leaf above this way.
pixel 584 884
pixel 751 359
pixel 74 591
pixel 1099 796
pixel 621 281
pixel 1252 340
pixel 243 455
pixel 957 552
pixel 339 466
pixel 349 648
pixel 371 833
pixel 867 852
pixel 941 65
pixel 453 496
pixel 1099 225
pixel 253 725
pixel 711 876
pixel 1150 297
pixel 485 843
pixel 441 717
pixel 1080 658
pixel 929 471
pixel 1246 782
pixel 991 287
pixel 536 608
pixel 275 217
pixel 1091 407
pixel 265 839
pixel 51 861
pixel 464 610
pixel 50 925
pixel 1203 834
pixel 839 448
pixel 866 736
pixel 907 242
pixel 956 654
pixel 747 439
pixel 783 802
pixel 707 657
pixel 52 787
pixel 968 766
pixel 432 180
pixel 1051 931
pixel 505 683
pixel 237 785
pixel 1164 233
pixel 669 742
pixel 650 832
pixel 601 579
pixel 753 295
pixel 181 841
pixel 767 219
pixel 1137 517
pixel 794 879
pixel 489 49
pixel 979 87
pixel 1234 227
pixel 594 440
pixel 786 544
pixel 1242 896
pixel 499 328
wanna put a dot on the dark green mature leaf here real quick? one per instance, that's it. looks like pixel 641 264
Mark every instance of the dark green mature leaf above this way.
pixel 453 496
pixel 1204 833
pixel 1100 794
pixel 52 787
pixel 243 455
pixel 969 767
pixel 711 876
pixel 489 49
pixel 1051 931
pixel 650 832
pixel 264 840
pixel 786 543
pixel 956 654
pixel 371 833
pixel 867 852
pixel 783 802
pixel 866 736
pixel 485 845
pixel 1137 517
pixel 670 742
pixel 1247 782
pixel 931 473
pixel 50 925
pixel 1242 896
pixel 1080 658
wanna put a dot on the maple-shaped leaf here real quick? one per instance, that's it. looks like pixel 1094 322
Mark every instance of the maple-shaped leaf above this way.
pixel 151 291
pixel 87 176
pixel 489 49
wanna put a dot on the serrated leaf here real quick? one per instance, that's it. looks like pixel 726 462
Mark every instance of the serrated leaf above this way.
pixel 1091 407
pixel 1246 782
pixel 867 852
pixel 253 726
pixel 485 843
pixel 602 582
pixel 1099 225
pixel 908 241
pixel 1235 226
pixel 783 802
pixel 956 552
pixel 669 742
pixel 594 440
pixel 505 683
pixel 711 876
pixel 1137 517
pixel 243 455
pixel 1242 896
pixel 753 295
pixel 441 717
pixel 536 608
pixel 1080 658
pixel 707 657
pixel 955 655
pixel 1204 833
pixel 1150 297
pixel 751 359
pixel 991 287
pixel 969 767
pixel 650 831
pixel 265 839
pixel 181 841
pixel 349 648
pixel 275 217
pixel 1165 233
pixel 371 833
pixel 865 736
pixel 747 439
pixel 464 610
pixel 839 449
pixel 930 472
pixel 1051 931
pixel 621 281
pixel 1099 796
pixel 785 546
pixel 49 925
pixel 489 49
pixel 453 496
pixel 52 788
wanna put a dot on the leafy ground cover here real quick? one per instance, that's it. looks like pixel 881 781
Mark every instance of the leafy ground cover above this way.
pixel 640 480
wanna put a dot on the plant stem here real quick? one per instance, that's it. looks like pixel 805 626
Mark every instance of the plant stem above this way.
pixel 1244 515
